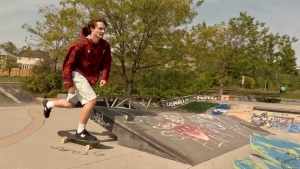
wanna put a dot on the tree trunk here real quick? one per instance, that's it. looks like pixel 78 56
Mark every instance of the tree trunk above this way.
pixel 9 75
pixel 265 89
pixel 55 64
pixel 129 88
pixel 221 91
pixel 130 83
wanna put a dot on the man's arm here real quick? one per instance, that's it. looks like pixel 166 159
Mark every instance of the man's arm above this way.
pixel 106 65
pixel 68 65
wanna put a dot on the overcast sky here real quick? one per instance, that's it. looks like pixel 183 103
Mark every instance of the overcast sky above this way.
pixel 281 16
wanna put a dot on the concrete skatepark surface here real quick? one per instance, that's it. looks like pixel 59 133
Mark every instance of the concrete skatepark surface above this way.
pixel 187 137
pixel 28 140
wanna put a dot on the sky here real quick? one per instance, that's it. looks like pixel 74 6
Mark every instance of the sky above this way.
pixel 280 16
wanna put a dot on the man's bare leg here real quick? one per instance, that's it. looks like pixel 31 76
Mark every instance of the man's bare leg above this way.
pixel 84 117
pixel 63 103
pixel 87 111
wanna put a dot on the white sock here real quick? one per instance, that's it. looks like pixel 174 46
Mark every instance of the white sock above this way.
pixel 81 127
pixel 50 104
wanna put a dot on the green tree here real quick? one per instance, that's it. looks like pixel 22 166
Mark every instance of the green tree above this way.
pixel 137 28
pixel 7 63
pixel 286 55
pixel 43 81
pixel 212 50
pixel 10 47
pixel 251 53
pixel 59 27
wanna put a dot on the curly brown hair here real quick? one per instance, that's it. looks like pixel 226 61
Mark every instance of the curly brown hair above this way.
pixel 92 22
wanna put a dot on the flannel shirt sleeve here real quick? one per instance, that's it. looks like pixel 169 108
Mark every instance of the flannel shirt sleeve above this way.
pixel 68 66
pixel 106 64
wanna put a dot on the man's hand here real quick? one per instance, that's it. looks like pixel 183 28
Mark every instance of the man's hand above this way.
pixel 71 90
pixel 102 83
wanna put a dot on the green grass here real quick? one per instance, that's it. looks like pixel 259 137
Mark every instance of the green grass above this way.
pixel 199 107
pixel 4 79
pixel 290 95
pixel 269 93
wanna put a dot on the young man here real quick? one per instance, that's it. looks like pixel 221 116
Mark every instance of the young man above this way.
pixel 85 59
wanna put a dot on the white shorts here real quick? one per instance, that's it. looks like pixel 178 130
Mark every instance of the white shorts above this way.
pixel 83 90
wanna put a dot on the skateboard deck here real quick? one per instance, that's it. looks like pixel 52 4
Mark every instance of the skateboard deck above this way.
pixel 70 137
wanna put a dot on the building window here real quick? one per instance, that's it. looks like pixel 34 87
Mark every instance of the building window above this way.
pixel 25 66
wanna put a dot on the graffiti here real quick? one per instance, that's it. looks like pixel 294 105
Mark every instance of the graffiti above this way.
pixel 259 119
pixel 98 118
pixel 209 130
pixel 224 97
pixel 178 130
pixel 184 100
pixel 94 153
pixel 169 121
pixel 282 153
pixel 186 131
pixel 245 163
pixel 274 153
pixel 220 109
pixel 216 127
pixel 279 122
pixel 276 121
pixel 190 131
pixel 293 128
pixel 245 98
pixel 174 102
pixel 206 97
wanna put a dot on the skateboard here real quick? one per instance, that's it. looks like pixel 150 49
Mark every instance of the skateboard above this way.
pixel 70 137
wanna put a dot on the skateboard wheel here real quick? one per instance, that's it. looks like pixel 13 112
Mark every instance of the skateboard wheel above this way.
pixel 88 147
pixel 64 140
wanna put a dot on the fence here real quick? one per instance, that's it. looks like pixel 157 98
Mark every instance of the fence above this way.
pixel 17 72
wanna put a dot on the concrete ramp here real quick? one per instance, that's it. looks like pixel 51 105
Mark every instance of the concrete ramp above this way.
pixel 14 93
pixel 185 137
pixel 276 109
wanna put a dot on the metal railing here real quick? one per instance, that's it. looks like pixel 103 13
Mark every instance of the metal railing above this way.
pixel 126 101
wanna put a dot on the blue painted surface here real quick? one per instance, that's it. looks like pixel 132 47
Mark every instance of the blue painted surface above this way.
pixel 272 165
pixel 220 109
pixel 245 163
pixel 293 128
pixel 282 152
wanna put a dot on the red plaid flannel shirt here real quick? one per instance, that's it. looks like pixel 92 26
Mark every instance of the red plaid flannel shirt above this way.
pixel 87 58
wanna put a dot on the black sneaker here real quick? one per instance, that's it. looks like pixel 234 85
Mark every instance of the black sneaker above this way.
pixel 85 135
pixel 46 109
